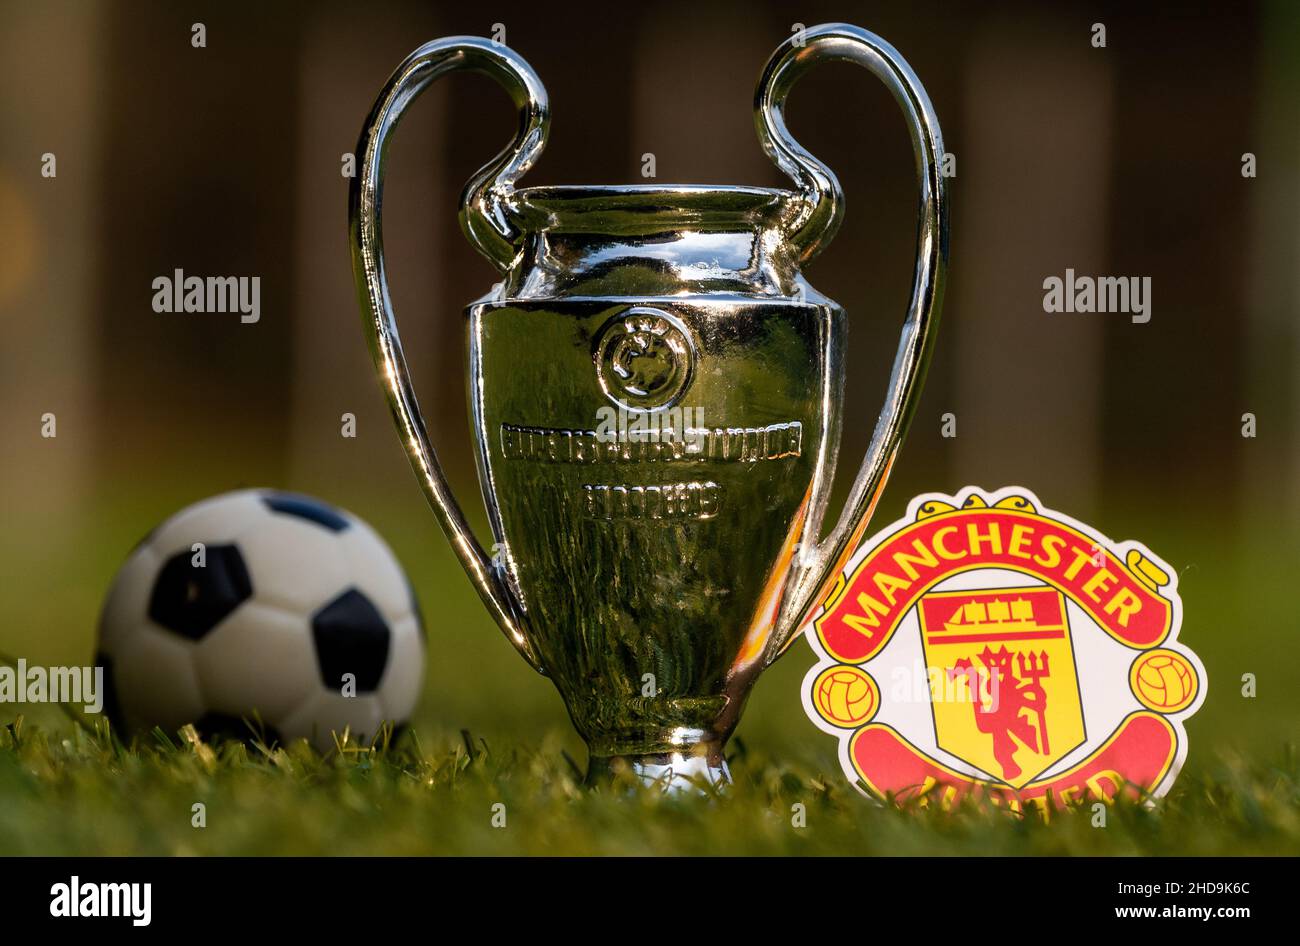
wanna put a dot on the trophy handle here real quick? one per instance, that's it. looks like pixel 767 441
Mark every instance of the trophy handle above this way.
pixel 822 208
pixel 487 218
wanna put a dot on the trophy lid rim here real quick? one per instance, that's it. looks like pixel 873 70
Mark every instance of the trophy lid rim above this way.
pixel 568 190
pixel 556 206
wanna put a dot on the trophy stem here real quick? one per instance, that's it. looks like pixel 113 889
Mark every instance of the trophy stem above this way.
pixel 696 769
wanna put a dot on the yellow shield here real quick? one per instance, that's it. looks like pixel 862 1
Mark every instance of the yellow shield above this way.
pixel 1003 684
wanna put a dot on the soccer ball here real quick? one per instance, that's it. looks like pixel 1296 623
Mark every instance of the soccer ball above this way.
pixel 844 696
pixel 266 603
pixel 1164 681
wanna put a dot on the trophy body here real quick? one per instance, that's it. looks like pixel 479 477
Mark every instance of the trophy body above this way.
pixel 656 397
pixel 651 446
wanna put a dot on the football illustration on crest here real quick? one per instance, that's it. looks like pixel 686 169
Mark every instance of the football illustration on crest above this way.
pixel 988 645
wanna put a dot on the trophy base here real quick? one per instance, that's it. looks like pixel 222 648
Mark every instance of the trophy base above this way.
pixel 698 770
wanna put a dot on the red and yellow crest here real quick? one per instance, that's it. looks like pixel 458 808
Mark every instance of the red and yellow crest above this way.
pixel 985 644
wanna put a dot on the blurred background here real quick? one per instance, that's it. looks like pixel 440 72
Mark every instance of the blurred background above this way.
pixel 226 160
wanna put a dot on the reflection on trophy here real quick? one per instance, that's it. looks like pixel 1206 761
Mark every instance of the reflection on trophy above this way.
pixel 656 396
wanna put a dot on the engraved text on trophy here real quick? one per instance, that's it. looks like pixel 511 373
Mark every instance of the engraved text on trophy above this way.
pixel 727 444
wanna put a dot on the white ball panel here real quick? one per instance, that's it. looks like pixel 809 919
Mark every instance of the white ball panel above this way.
pixel 127 603
pixel 294 564
pixel 375 570
pixel 259 658
pixel 155 680
pixel 216 521
pixel 403 680
pixel 325 712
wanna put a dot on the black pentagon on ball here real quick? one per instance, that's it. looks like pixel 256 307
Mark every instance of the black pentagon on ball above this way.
pixel 190 599
pixel 351 637
pixel 111 705
pixel 305 507
pixel 214 726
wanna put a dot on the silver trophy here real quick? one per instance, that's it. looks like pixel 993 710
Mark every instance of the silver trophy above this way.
pixel 656 394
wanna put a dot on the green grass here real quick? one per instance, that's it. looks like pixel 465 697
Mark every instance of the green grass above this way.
pixel 64 790
pixel 71 790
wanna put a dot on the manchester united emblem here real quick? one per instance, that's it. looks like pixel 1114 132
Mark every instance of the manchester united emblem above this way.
pixel 987 645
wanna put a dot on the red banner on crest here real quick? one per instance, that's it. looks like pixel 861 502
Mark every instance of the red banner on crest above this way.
pixel 863 614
